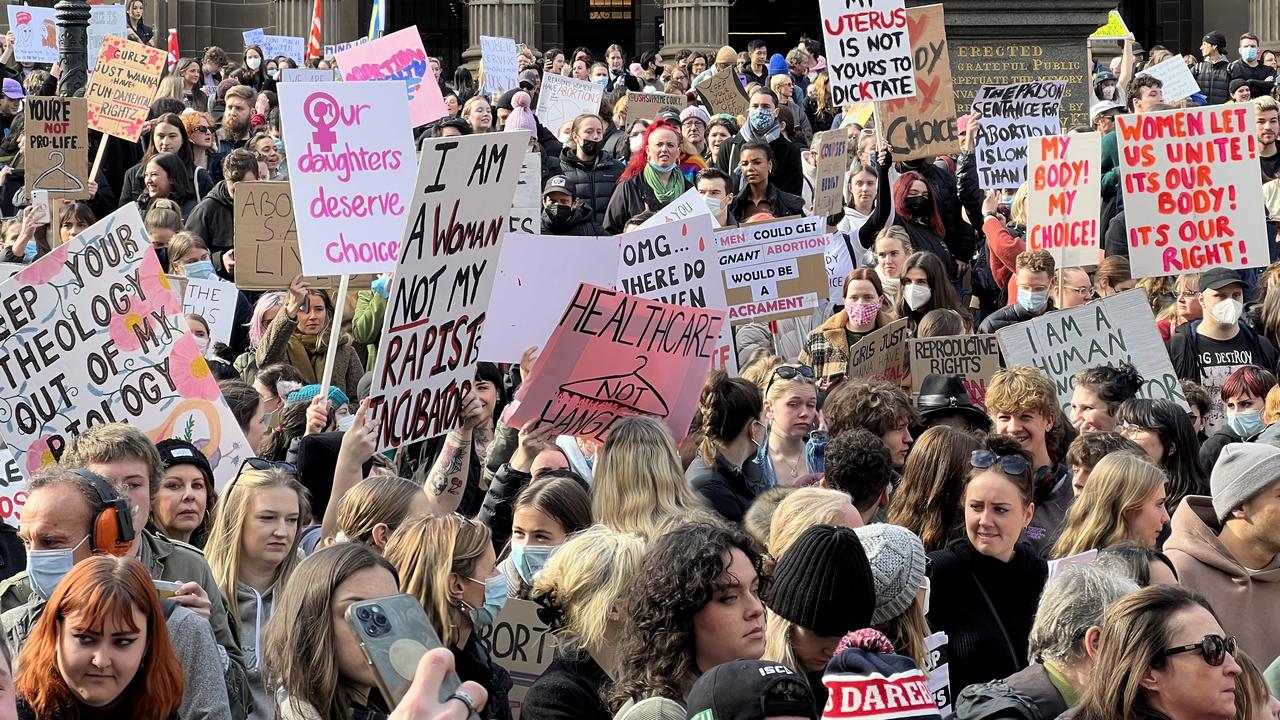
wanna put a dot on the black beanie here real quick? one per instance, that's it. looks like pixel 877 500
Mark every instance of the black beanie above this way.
pixel 504 100
pixel 823 582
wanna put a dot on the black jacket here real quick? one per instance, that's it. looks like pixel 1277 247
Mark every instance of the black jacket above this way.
pixel 498 510
pixel 783 203
pixel 1260 77
pixel 1028 694
pixel 631 198
pixel 1116 239
pixel 593 181
pixel 214 221
pixel 1010 314
pixel 788 173
pixel 923 239
pixel 961 237
pixel 581 223
pixel 569 689
pixel 1214 80
pixel 724 488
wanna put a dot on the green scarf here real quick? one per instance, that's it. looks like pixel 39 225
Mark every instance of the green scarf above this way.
pixel 665 192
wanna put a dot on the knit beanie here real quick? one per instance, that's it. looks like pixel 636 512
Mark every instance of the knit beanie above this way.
pixel 521 117
pixel 897 564
pixel 1242 471
pixel 778 65
pixel 505 99
pixel 726 56
pixel 309 393
pixel 695 111
pixel 866 682
pixel 823 582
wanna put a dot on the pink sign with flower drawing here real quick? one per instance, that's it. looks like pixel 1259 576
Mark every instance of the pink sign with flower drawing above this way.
pixel 92 333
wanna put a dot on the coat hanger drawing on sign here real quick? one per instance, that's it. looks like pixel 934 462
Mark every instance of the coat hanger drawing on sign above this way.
pixel 70 183
pixel 629 390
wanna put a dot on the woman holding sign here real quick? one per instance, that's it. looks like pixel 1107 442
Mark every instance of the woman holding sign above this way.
pixel 300 335
pixel 826 350
pixel 913 207
pixel 651 180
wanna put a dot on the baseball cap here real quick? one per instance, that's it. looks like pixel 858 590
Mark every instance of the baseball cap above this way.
pixel 1218 278
pixel 750 690
pixel 528 79
pixel 558 183
pixel 1102 107
pixel 13 89
pixel 180 452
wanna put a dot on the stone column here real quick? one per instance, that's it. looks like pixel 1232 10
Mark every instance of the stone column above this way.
pixel 499 18
pixel 695 25
pixel 1264 21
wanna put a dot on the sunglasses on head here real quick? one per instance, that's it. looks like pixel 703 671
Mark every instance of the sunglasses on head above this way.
pixel 1007 464
pixel 1213 648
pixel 789 372
pixel 260 465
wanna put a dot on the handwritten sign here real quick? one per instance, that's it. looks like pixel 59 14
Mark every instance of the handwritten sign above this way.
pixel 615 355
pixel 1064 200
pixel 723 93
pixel 100 335
pixel 104 20
pixel 256 36
pixel 647 105
pixel 499 57
pixel 351 169
pixel 333 50
pixel 400 57
pixel 448 260
pixel 868 50
pixel 1192 198
pixel 925 125
pixel 35 33
pixel 306 75
pixel 215 301
pixel 775 270
pixel 13 489
pixel 1179 84
pixel 57 153
pixel 689 203
pixel 974 358
pixel 522 645
pixel 828 190
pixel 1011 116
pixel 882 355
pixel 119 93
pixel 277 46
pixel 1117 329
pixel 938 667
pixel 562 99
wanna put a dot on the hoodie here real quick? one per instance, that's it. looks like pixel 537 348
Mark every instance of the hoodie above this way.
pixel 214 221
pixel 253 612
pixel 1245 601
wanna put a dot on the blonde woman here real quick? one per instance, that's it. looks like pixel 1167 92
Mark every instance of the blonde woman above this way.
pixel 377 506
pixel 581 591
pixel 1124 500
pixel 803 508
pixel 892 248
pixel 639 484
pixel 789 455
pixel 252 550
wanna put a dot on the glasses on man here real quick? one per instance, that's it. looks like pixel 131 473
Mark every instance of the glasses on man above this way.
pixel 1213 648
pixel 1007 464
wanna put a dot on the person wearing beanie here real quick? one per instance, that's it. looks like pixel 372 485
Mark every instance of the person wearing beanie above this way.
pixel 778 65
pixel 1213 73
pixel 823 587
pixel 750 690
pixel 521 116
pixel 866 680
pixel 693 122
pixel 184 503
pixel 1227 546
pixel 897 561
pixel 307 393
pixel 725 58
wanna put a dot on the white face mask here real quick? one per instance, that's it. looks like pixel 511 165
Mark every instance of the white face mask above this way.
pixel 254 63
pixel 916 295
pixel 636 143
pixel 1228 312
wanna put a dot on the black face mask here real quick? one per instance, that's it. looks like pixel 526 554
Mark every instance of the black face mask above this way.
pixel 590 148
pixel 557 215
pixel 918 206
pixel 162 253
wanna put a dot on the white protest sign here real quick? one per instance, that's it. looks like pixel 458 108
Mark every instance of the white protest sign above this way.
pixel 351 171
pixel 105 20
pixel 294 48
pixel 35 33
pixel 526 206
pixel 215 301
pixel 333 50
pixel 499 57
pixel 868 50
pixel 828 183
pixel 938 667
pixel 1011 115
pixel 532 288
pixel 448 260
pixel 562 99
pixel 1179 83
pixel 256 36
pixel 689 203
pixel 775 270
pixel 13 489
pixel 1064 201
pixel 1116 329
pixel 306 75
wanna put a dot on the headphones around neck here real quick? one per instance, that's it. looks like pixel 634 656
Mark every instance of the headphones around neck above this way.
pixel 111 529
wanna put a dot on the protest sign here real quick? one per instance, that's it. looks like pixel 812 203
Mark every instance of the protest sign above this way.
pixel 13 489
pixel 498 55
pixel 690 203
pixel 774 270
pixel 309 75
pixel 881 355
pixel 532 288
pixel 562 99
pixel 119 93
pixel 351 171
pixel 1011 116
pixel 333 50
pixel 57 153
pixel 974 358
pixel 92 333
pixel 436 313
pixel 723 93
pixel 868 50
pixel 647 105
pixel 1116 329
pixel 924 125
pixel 294 48
pixel 828 184
pixel 104 20
pixel 1192 199
pixel 398 56
pixel 938 667
pixel 526 205
pixel 521 644
pixel 256 36
pixel 1064 199
pixel 35 33
pixel 214 300
pixel 614 355
pixel 1179 84
pixel 1115 29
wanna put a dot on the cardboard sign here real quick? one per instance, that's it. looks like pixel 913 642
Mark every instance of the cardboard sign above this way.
pixel 1104 332
pixel 562 99
pixel 647 105
pixel 333 50
pixel 276 46
pixel 975 358
pixel 774 270
pixel 1192 198
pixel 1064 201
pixel 119 93
pixel 104 20
pixel 498 54
pixel 522 645
pixel 215 301
pixel 1179 83
pixel 102 340
pixel 306 75
pixel 351 169
pixel 448 260
pixel 1115 29
pixel 256 36
pixel 615 355
pixel 881 355
pixel 526 205
pixel 723 93
pixel 57 153
pixel 35 33
pixel 532 288
pixel 689 203
pixel 828 184
pixel 398 56
pixel 868 50
pixel 1011 116
pixel 924 125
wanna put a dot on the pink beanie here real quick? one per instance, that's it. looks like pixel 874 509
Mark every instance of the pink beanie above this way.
pixel 521 117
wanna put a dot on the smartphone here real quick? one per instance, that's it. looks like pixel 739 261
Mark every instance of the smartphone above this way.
pixel 166 589
pixel 40 206
pixel 394 634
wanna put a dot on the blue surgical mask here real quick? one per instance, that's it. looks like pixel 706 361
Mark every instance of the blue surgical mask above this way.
pixel 495 598
pixel 601 79
pixel 1033 301
pixel 279 145
pixel 382 286
pixel 46 568
pixel 714 204
pixel 662 170
pixel 761 118
pixel 529 559
pixel 199 270
pixel 1245 424
pixel 1249 54
pixel 271 74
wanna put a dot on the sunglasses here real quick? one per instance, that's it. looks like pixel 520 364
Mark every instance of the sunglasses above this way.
pixel 204 129
pixel 260 465
pixel 1008 464
pixel 789 372
pixel 1213 648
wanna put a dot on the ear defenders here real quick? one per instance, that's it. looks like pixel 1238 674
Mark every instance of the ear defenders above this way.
pixel 111 530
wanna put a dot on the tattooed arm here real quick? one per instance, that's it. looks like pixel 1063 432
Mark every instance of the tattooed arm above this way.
pixel 448 477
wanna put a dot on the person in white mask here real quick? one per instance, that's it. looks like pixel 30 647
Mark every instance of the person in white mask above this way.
pixel 1208 350
pixel 1034 272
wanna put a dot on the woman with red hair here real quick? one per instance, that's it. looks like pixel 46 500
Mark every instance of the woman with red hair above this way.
pixel 652 178
pixel 1244 396
pixel 100 649
pixel 909 203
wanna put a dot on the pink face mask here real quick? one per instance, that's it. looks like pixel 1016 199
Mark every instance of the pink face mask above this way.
pixel 862 313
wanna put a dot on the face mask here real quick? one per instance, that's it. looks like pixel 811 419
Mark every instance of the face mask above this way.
pixel 271 74
pixel 1245 424
pixel 662 170
pixel 495 598
pixel 918 206
pixel 637 142
pixel 199 270
pixel 46 568
pixel 557 215
pixel 564 139
pixel 590 148
pixel 529 559
pixel 382 286
pixel 862 313
pixel 162 254
pixel 916 295
pixel 280 146
pixel 203 344
pixel 601 79
pixel 345 422
pixel 714 205
pixel 1228 312
pixel 761 119
pixel 1033 301
pixel 1249 54
pixel 1109 92
pixel 254 63
pixel 928 590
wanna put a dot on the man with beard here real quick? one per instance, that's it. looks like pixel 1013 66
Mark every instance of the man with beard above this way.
pixel 1268 125
pixel 235 120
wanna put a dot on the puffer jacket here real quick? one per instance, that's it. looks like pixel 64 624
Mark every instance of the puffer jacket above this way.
pixel 592 181
pixel 1214 79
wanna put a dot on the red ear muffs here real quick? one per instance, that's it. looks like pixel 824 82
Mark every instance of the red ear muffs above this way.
pixel 112 528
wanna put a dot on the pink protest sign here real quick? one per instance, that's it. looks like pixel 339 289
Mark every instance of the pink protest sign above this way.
pixel 1065 197
pixel 351 171
pixel 398 56
pixel 1192 199
pixel 615 355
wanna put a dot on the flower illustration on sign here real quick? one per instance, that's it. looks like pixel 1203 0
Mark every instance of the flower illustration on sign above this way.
pixel 156 286
pixel 39 455
pixel 129 326
pixel 46 268
pixel 190 373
